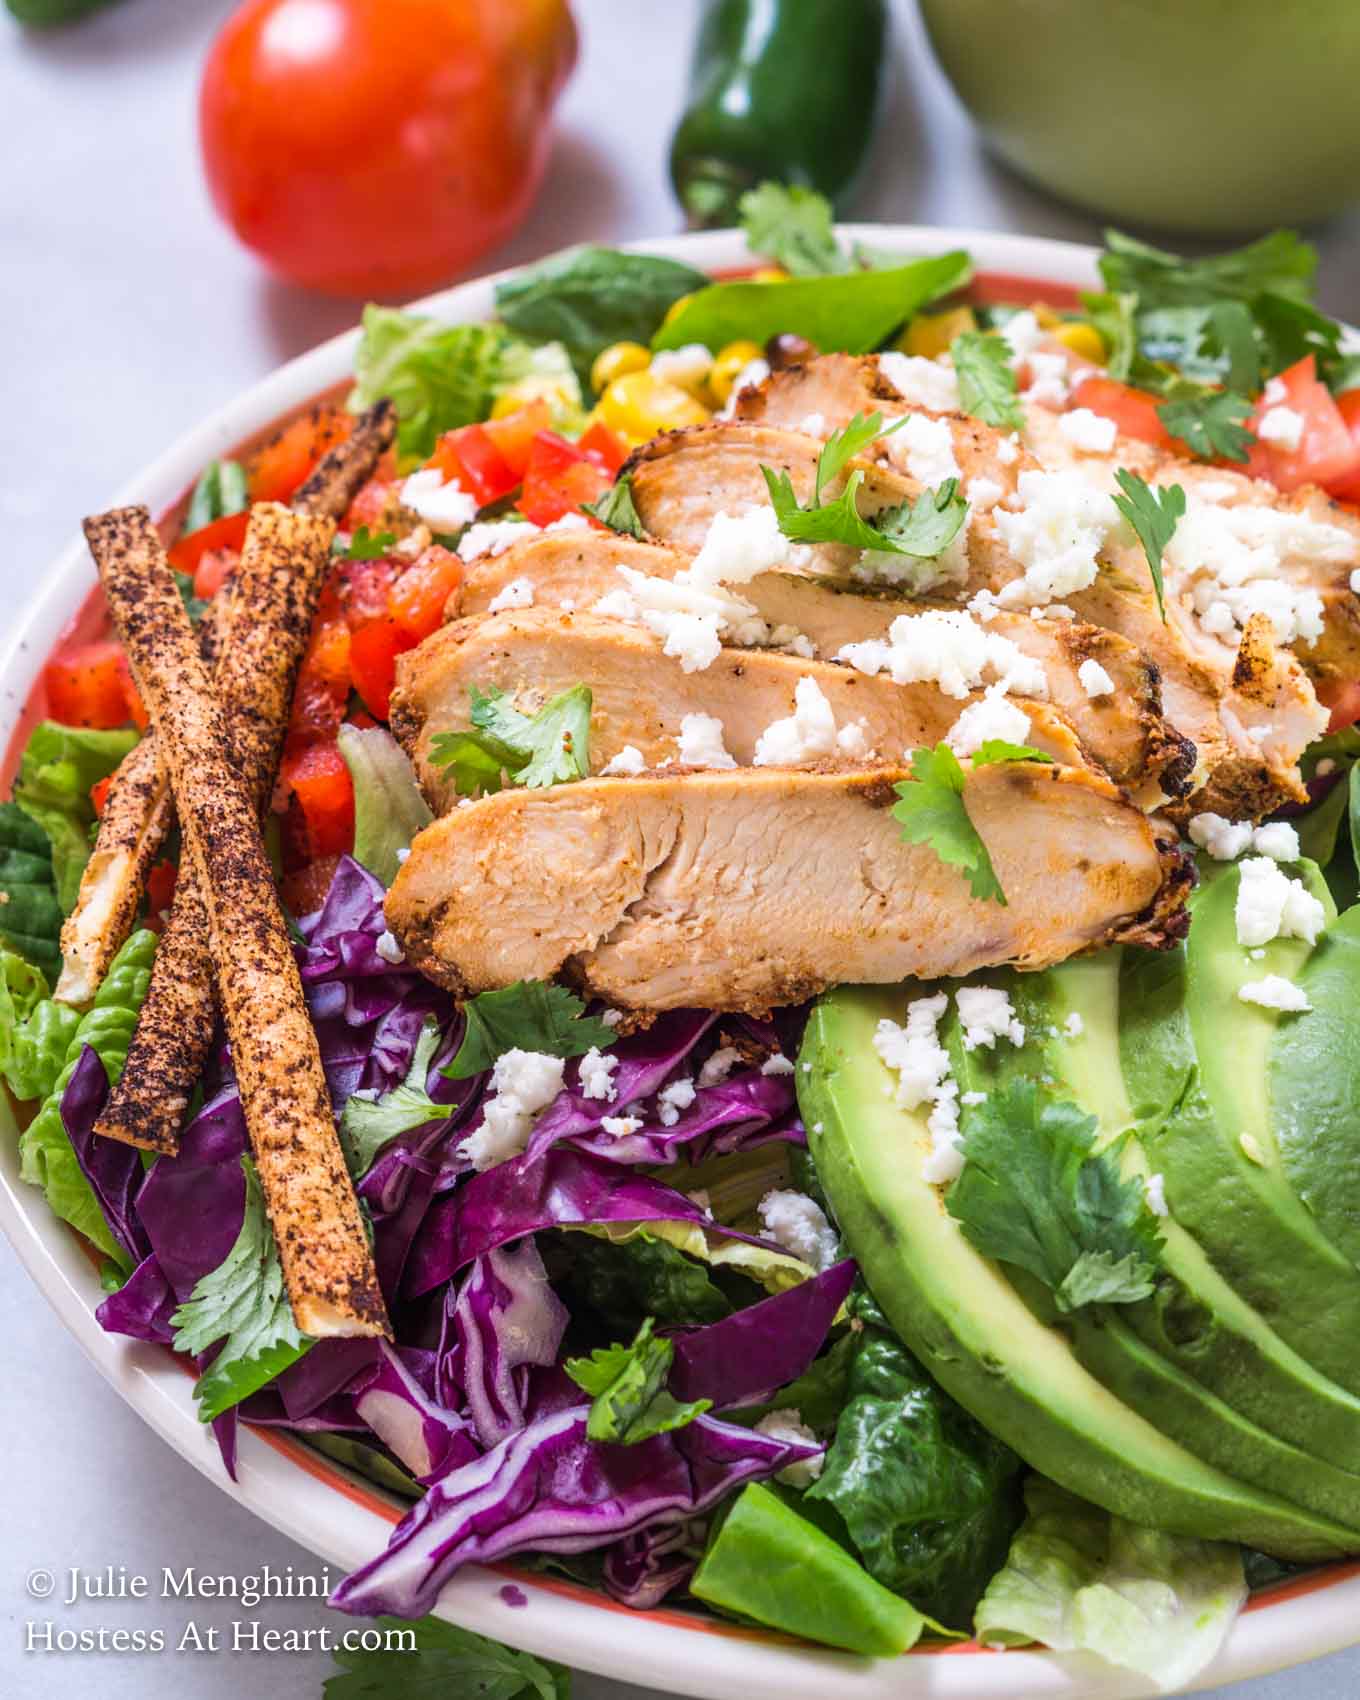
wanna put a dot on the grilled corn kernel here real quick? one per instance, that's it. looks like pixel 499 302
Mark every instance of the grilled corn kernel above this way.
pixel 616 360
pixel 688 367
pixel 520 394
pixel 1084 340
pixel 639 405
pixel 769 274
pixel 931 334
pixel 728 364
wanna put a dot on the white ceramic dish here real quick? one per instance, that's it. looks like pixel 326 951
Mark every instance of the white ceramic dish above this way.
pixel 346 1521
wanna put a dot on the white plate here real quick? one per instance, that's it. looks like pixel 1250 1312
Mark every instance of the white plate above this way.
pixel 346 1521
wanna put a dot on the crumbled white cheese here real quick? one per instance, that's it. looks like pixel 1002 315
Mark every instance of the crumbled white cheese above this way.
pixel 629 760
pixel 1278 840
pixel 1058 527
pixel 619 1127
pixel 1154 1191
pixel 1008 450
pixel 970 1100
pixel 443 506
pixel 814 425
pixel 1048 380
pixel 914 1053
pixel 1074 1026
pixel 931 384
pixel 809 732
pixel 992 716
pixel 388 948
pixel 1023 335
pixel 1324 767
pixel 789 1427
pixel 611 1017
pixel 751 376
pixel 777 1063
pixel 524 1083
pixel 688 366
pixel 798 1223
pixel 987 1015
pixel 736 547
pixel 1282 426
pixel 1094 680
pixel 568 522
pixel 923 448
pixel 1355 581
pixel 947 647
pixel 983 605
pixel 1275 392
pixel 679 1095
pixel 983 493
pixel 494 537
pixel 519 593
pixel 717 1067
pixel 1270 905
pixel 1091 433
pixel 597 1075
pixel 1274 992
pixel 700 743
pixel 403 853
pixel 1223 839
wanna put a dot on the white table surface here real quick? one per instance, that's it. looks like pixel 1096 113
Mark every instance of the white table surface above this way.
pixel 126 313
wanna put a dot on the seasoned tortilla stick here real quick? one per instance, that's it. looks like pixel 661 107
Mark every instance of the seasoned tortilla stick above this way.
pixel 327 1265
pixel 277 585
pixel 138 815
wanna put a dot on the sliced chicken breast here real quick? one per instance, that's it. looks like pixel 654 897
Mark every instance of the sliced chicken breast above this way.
pixel 750 889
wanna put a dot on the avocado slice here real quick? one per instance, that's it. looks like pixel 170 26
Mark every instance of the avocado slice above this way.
pixel 965 1321
pixel 1195 1319
pixel 1196 1062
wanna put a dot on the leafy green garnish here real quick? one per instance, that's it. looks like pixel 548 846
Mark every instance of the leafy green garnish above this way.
pixel 1113 316
pixel 615 509
pixel 368 1124
pixel 241 1303
pixel 59 765
pixel 926 526
pixel 623 1281
pixel 437 376
pixel 366 545
pixel 388 807
pixel 793 227
pixel 221 490
pixel 531 1015
pixel 1210 422
pixel 1281 264
pixel 22 989
pixel 1036 1193
pixel 627 1385
pixel 932 811
pixel 987 386
pixel 547 748
pixel 446 1663
pixel 590 297
pixel 993 750
pixel 1154 516
pixel 30 915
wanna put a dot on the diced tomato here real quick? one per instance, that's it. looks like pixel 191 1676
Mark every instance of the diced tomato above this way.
pixel 1344 703
pixel 470 458
pixel 373 652
pixel 601 445
pixel 318 778
pixel 85 686
pixel 318 708
pixel 304 889
pixel 1328 453
pixel 213 569
pixel 1134 411
pixel 373 502
pixel 226 533
pixel 558 479
pixel 160 894
pixel 136 708
pixel 513 436
pixel 287 460
pixel 363 589
pixel 416 601
pixel 99 795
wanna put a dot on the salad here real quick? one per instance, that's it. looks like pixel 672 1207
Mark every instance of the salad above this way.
pixel 711 930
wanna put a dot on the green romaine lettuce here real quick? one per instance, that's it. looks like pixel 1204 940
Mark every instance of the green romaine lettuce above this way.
pixel 437 376
pixel 388 807
pixel 30 915
pixel 58 768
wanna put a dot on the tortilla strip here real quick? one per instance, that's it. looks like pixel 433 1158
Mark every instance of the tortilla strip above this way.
pixel 278 583
pixel 327 1265
pixel 137 816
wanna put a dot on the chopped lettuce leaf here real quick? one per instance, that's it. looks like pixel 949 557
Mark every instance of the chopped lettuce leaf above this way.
pixel 437 376
pixel 627 1385
pixel 30 915
pixel 440 1662
pixel 59 765
pixel 531 1015
pixel 388 807
pixel 623 1281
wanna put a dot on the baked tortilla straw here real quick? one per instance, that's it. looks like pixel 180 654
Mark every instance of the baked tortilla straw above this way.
pixel 276 588
pixel 327 1265
pixel 138 814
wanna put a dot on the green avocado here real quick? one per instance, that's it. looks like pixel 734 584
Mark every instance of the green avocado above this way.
pixel 964 1320
pixel 1196 1063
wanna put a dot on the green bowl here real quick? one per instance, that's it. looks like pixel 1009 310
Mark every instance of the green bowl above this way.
pixel 1213 116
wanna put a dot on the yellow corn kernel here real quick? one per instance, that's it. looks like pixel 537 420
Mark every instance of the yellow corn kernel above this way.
pixel 727 365
pixel 614 361
pixel 930 334
pixel 639 405
pixel 769 274
pixel 520 394
pixel 1084 340
pixel 677 307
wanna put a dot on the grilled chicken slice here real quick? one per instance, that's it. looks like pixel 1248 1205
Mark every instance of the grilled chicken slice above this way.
pixel 641 697
pixel 1126 733
pixel 751 889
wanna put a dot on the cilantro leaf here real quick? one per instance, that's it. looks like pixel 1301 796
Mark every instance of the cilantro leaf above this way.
pixel 993 750
pixel 793 227
pixel 368 1124
pixel 194 606
pixel 221 490
pixel 366 545
pixel 440 1661
pixel 843 445
pixel 1034 1192
pixel 547 748
pixel 927 525
pixel 830 522
pixel 987 387
pixel 531 1015
pixel 616 510
pixel 241 1303
pixel 1210 423
pixel 1280 264
pixel 1154 515
pixel 932 811
pixel 628 1387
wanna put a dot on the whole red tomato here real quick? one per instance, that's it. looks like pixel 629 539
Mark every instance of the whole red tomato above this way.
pixel 378 147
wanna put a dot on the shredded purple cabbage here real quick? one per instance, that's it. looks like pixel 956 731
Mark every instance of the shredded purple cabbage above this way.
pixel 113 1169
